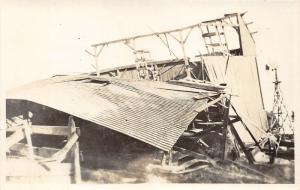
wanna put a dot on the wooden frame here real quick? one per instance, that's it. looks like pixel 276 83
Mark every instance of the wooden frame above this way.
pixel 55 156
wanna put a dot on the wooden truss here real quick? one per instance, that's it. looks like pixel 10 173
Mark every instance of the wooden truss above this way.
pixel 207 30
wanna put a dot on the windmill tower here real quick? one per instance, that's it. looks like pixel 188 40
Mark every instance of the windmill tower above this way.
pixel 281 121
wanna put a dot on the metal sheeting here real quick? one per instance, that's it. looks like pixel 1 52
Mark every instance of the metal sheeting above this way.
pixel 216 67
pixel 242 76
pixel 240 73
pixel 156 116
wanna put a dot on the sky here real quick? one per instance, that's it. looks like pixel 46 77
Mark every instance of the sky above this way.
pixel 43 38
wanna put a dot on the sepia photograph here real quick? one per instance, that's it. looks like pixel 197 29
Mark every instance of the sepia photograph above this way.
pixel 142 92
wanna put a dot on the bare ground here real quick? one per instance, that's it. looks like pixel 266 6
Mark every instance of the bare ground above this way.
pixel 134 170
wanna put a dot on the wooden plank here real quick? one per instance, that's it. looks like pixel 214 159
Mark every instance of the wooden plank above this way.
pixel 197 85
pixel 14 128
pixel 225 128
pixel 248 154
pixel 75 152
pixel 186 61
pixel 50 130
pixel 209 123
pixel 77 168
pixel 201 108
pixel 61 155
pixel 195 154
pixel 14 138
pixel 210 34
pixel 27 132
pixel 248 130
pixel 171 157
pixel 216 44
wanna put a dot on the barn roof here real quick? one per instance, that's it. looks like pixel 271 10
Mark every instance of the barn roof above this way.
pixel 151 111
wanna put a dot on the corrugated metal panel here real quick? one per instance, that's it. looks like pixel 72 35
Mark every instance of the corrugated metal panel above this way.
pixel 216 66
pixel 241 76
pixel 155 116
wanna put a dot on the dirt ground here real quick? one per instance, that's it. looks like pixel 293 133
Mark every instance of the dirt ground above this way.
pixel 134 170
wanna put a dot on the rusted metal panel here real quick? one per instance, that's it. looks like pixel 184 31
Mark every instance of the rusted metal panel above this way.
pixel 148 113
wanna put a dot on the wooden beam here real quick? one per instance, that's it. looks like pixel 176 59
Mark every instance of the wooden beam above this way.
pixel 201 108
pixel 170 157
pixel 197 85
pixel 225 128
pixel 248 154
pixel 16 137
pixel 75 151
pixel 186 61
pixel 61 155
pixel 195 154
pixel 27 132
pixel 248 130
pixel 210 123
pixel 76 162
pixel 164 32
pixel 50 130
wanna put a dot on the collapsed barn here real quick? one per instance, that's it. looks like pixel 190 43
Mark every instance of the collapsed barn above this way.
pixel 194 111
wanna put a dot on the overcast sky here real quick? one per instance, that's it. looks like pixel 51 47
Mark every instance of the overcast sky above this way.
pixel 43 38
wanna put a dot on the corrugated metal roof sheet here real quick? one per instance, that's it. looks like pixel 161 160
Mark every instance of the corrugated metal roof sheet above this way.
pixel 240 73
pixel 146 110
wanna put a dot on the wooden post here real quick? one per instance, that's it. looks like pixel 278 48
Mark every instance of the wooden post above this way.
pixel 27 132
pixel 225 128
pixel 170 157
pixel 75 152
pixel 164 159
pixel 77 163
pixel 186 61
